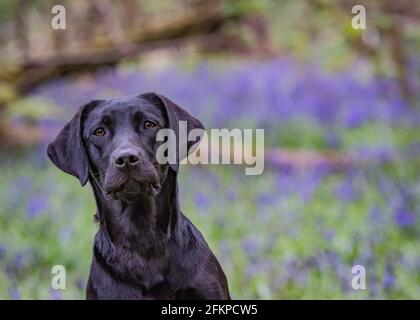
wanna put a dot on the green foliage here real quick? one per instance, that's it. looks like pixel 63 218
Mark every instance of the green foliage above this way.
pixel 278 236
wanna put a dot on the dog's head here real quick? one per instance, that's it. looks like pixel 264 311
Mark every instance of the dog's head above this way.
pixel 114 142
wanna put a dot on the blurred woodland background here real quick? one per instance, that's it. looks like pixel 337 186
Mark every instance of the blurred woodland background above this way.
pixel 341 113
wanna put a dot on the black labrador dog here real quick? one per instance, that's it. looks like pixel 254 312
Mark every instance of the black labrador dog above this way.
pixel 145 247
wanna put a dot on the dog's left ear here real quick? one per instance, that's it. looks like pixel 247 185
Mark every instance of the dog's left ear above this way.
pixel 67 151
pixel 174 114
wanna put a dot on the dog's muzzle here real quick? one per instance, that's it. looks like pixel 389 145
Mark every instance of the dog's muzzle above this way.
pixel 131 176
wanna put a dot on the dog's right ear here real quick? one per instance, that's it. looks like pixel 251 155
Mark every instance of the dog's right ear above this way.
pixel 67 151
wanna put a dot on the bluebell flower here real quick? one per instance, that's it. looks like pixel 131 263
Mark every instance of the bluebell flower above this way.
pixel 329 235
pixel 389 279
pixel 56 294
pixel 346 191
pixel 266 198
pixel 14 294
pixel 18 262
pixel 36 206
pixel 404 218
pixel 202 200
pixel 251 244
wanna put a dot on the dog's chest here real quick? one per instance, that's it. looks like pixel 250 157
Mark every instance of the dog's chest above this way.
pixel 147 268
pixel 132 277
pixel 137 270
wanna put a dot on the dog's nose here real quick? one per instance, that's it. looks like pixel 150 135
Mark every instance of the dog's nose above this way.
pixel 126 159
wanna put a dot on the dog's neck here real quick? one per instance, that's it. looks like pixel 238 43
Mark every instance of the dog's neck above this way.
pixel 138 224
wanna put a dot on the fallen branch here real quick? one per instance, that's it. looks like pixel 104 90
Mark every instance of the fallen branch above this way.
pixel 203 26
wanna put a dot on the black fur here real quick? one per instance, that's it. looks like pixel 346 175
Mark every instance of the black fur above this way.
pixel 145 247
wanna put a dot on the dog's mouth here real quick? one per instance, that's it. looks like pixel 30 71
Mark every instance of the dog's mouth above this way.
pixel 131 189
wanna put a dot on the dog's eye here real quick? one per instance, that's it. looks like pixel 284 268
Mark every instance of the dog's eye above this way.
pixel 99 132
pixel 149 125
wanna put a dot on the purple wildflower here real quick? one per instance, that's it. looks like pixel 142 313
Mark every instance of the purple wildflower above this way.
pixel 36 206
pixel 404 218
pixel 14 294
pixel 346 191
pixel 56 294
pixel 202 201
